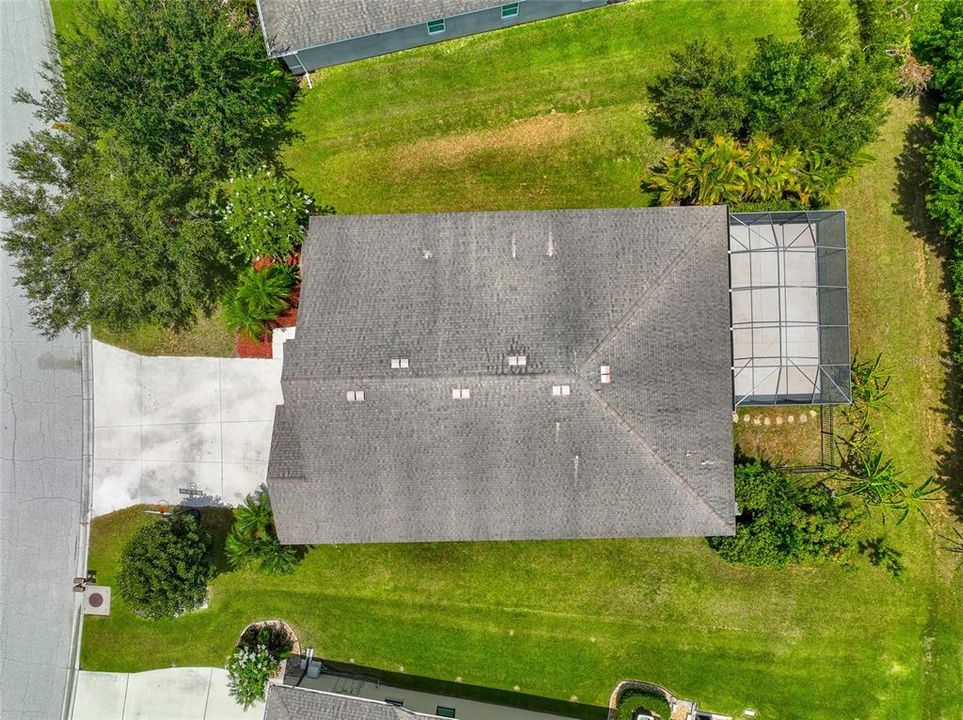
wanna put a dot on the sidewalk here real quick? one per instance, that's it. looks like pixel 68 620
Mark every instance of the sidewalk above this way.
pixel 175 693
pixel 163 424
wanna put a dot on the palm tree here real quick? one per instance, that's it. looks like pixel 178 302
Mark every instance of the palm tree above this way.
pixel 253 538
pixel 258 298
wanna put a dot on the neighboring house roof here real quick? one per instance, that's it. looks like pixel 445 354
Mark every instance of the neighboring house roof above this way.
pixel 643 291
pixel 291 25
pixel 293 703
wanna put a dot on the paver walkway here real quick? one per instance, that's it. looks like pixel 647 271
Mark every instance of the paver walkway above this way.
pixel 175 693
pixel 166 424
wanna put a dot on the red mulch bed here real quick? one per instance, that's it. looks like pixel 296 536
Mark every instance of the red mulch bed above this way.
pixel 244 347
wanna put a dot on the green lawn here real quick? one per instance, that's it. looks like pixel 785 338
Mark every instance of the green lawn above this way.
pixel 470 124
pixel 546 115
pixel 209 337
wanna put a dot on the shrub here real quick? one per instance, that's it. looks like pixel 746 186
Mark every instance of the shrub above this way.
pixel 633 700
pixel 781 78
pixel 700 96
pixel 165 568
pixel 883 27
pixel 781 522
pixel 265 214
pixel 941 45
pixel 258 298
pixel 807 102
pixel 253 538
pixel 945 199
pixel 826 26
pixel 724 170
pixel 252 663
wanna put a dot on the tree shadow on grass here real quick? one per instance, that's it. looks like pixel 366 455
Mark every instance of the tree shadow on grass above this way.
pixel 912 185
pixel 217 521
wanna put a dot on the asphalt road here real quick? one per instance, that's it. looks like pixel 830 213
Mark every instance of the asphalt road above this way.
pixel 42 442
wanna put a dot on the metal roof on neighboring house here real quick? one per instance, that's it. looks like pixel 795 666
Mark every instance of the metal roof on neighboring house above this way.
pixel 291 25
pixel 540 450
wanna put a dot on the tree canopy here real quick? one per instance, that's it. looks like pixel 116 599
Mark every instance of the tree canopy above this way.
pixel 115 218
pixel 186 80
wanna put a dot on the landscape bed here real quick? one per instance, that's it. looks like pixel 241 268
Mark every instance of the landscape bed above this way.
pixel 471 125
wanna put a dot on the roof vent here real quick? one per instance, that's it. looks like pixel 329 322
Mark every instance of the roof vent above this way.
pixel 517 360
pixel 355 395
pixel 399 363
pixel 605 374
pixel 561 390
pixel 460 393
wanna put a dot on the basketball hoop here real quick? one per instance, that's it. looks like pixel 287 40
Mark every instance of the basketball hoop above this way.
pixel 162 508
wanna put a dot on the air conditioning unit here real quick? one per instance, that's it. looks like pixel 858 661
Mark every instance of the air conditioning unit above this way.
pixel 97 600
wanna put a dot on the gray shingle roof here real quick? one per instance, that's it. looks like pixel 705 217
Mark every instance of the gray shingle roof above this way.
pixel 292 703
pixel 644 291
pixel 291 25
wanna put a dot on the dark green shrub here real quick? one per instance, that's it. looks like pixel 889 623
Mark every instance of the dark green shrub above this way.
pixel 633 700
pixel 782 522
pixel 700 96
pixel 253 538
pixel 781 78
pixel 258 298
pixel 165 568
pixel 945 199
pixel 808 102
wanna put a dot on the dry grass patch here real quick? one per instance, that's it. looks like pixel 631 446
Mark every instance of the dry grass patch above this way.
pixel 524 136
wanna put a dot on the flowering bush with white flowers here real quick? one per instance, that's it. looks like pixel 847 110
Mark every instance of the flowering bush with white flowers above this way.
pixel 265 213
pixel 251 665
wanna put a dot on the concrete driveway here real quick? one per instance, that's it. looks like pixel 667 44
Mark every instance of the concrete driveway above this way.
pixel 175 693
pixel 163 425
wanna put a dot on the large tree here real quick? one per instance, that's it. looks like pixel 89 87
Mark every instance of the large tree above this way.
pixel 113 217
pixel 187 80
pixel 101 233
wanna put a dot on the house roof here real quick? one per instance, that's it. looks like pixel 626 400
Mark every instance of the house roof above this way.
pixel 641 291
pixel 291 25
pixel 292 703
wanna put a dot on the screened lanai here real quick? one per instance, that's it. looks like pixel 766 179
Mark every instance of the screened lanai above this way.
pixel 790 308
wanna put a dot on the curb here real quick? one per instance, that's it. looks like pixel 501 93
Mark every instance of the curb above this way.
pixel 86 501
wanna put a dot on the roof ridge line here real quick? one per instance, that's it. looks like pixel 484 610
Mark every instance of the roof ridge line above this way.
pixel 640 438
pixel 562 376
pixel 642 301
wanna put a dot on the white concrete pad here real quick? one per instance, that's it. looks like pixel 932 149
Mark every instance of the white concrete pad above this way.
pixel 99 696
pixel 181 693
pixel 181 442
pixel 278 338
pixel 163 424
